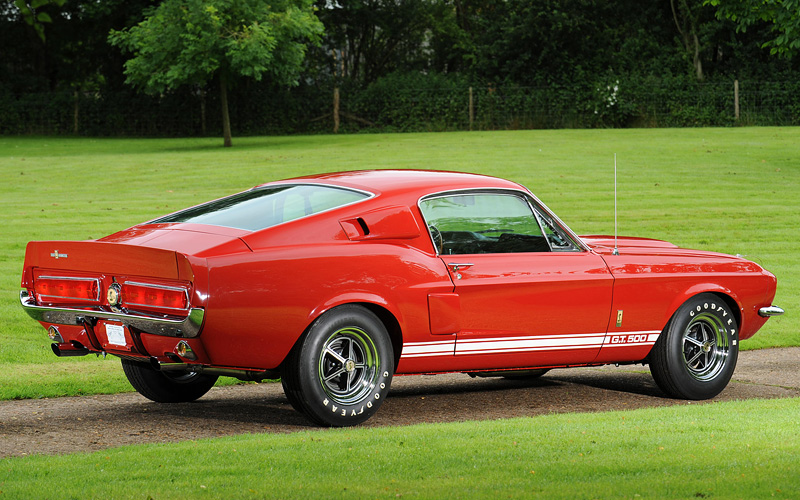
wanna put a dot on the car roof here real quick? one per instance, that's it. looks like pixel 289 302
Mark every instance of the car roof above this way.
pixel 418 182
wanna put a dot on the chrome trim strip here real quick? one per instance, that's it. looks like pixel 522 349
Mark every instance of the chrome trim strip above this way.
pixel 64 297
pixel 188 327
pixel 769 311
pixel 153 285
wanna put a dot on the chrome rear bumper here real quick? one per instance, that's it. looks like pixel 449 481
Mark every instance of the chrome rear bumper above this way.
pixel 770 311
pixel 167 326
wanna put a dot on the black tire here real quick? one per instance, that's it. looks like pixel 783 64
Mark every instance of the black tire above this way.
pixel 340 371
pixel 694 357
pixel 167 387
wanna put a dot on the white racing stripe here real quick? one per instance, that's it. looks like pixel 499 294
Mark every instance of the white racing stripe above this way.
pixel 425 349
pixel 530 343
pixel 500 345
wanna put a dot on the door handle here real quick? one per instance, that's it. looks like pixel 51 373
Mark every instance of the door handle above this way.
pixel 458 266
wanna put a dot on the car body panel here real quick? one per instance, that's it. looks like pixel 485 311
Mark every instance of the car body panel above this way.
pixel 516 306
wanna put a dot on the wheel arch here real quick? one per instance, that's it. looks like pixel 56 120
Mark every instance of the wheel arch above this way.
pixel 723 293
pixel 392 326
pixel 726 297
pixel 379 308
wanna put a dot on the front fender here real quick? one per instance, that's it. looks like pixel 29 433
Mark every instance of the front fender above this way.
pixel 697 289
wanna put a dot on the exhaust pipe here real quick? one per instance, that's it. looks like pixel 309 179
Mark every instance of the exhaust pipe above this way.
pixel 168 364
pixel 165 364
pixel 245 375
pixel 65 349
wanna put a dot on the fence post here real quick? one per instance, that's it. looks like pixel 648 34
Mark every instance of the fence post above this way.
pixel 335 110
pixel 75 112
pixel 471 109
pixel 203 113
pixel 736 99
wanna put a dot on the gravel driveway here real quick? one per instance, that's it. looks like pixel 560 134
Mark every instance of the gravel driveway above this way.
pixel 67 425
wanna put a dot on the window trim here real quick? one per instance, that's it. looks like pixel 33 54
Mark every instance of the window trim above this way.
pixel 526 196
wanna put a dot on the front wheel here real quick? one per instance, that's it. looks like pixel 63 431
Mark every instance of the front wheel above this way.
pixel 167 387
pixel 340 371
pixel 695 356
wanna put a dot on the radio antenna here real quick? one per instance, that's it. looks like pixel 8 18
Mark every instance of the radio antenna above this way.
pixel 616 248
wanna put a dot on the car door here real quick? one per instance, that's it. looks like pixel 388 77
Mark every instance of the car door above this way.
pixel 529 293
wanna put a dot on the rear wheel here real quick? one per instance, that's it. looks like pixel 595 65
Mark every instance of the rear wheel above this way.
pixel 341 370
pixel 695 356
pixel 167 387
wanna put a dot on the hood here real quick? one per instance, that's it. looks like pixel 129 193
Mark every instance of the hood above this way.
pixel 637 255
pixel 603 244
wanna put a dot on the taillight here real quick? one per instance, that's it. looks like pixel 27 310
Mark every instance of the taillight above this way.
pixel 157 296
pixel 65 288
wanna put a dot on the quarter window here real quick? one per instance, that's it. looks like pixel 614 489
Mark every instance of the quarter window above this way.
pixel 264 207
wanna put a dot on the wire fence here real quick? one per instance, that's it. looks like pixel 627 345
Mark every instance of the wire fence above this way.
pixel 260 110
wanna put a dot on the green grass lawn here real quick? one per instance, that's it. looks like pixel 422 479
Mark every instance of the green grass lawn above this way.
pixel 731 450
pixel 729 190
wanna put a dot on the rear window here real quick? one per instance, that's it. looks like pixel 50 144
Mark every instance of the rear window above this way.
pixel 264 207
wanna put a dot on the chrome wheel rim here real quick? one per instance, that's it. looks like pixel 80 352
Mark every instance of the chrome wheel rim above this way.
pixel 705 346
pixel 348 366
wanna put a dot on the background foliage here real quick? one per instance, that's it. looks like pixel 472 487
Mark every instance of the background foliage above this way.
pixel 409 66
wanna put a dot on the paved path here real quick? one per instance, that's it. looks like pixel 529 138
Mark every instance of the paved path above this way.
pixel 66 425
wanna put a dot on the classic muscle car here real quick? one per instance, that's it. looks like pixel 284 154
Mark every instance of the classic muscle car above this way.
pixel 335 283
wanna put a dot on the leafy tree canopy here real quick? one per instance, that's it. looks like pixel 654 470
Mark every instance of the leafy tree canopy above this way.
pixel 782 15
pixel 33 14
pixel 191 42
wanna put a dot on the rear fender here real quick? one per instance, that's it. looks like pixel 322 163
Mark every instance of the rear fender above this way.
pixel 390 316
pixel 366 299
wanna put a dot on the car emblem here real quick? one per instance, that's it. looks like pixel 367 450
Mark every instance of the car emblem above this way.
pixel 59 255
pixel 113 294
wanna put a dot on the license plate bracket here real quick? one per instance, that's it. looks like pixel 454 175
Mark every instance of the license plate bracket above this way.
pixel 116 335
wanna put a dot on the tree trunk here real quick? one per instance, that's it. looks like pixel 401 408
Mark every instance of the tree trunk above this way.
pixel 336 110
pixel 689 36
pixel 696 61
pixel 226 119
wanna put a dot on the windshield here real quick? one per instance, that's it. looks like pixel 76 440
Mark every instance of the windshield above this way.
pixel 265 207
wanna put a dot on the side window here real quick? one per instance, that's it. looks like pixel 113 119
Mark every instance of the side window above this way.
pixel 483 223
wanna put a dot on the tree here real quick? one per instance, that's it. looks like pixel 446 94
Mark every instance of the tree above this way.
pixel 191 42
pixel 33 14
pixel 368 39
pixel 686 16
pixel 783 16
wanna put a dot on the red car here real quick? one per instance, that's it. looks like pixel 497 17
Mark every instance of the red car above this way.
pixel 335 283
